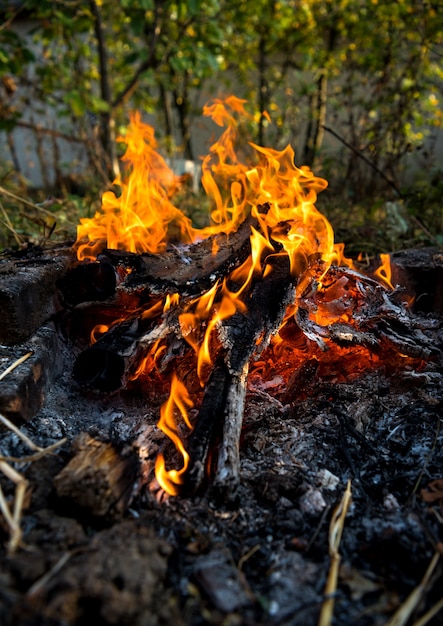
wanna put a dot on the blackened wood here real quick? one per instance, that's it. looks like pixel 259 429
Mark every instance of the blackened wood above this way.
pixel 227 475
pixel 28 293
pixel 221 414
pixel 208 426
pixel 245 335
pixel 23 391
pixel 89 282
pixel 98 479
pixel 189 270
pixel 420 272
pixel 107 364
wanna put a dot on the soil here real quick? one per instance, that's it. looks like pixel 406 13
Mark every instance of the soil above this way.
pixel 262 558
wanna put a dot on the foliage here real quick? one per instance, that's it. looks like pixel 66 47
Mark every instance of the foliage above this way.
pixel 354 85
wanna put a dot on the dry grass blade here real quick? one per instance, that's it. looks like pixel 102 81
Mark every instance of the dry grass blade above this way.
pixel 335 534
pixel 41 452
pixel 8 224
pixel 424 619
pixel 404 612
pixel 12 367
pixel 26 202
pixel 13 428
pixel 40 584
pixel 13 518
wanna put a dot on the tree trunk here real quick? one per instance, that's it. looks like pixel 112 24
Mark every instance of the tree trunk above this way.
pixel 181 101
pixel 318 107
pixel 107 123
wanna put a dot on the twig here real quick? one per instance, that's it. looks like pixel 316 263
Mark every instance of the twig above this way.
pixel 404 612
pixel 40 584
pixel 365 159
pixel 335 533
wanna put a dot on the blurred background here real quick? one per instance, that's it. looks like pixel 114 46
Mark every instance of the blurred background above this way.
pixel 355 86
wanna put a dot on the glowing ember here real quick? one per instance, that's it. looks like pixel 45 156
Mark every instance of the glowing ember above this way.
pixel 143 218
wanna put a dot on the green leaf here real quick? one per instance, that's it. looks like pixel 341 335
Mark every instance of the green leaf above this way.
pixel 76 103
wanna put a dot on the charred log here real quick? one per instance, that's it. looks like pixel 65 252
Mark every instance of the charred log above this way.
pixel 108 363
pixel 188 270
pixel 243 335
pixel 89 282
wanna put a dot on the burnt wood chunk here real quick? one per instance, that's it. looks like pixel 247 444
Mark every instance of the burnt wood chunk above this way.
pixel 28 294
pixel 23 391
pixel 89 282
pixel 98 479
pixel 420 273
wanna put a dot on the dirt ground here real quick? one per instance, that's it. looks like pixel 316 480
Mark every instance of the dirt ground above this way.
pixel 263 558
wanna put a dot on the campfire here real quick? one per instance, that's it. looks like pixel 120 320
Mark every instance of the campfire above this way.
pixel 261 298
pixel 246 363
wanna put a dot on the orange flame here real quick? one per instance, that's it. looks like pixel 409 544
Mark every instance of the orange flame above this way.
pixel 384 272
pixel 170 480
pixel 141 218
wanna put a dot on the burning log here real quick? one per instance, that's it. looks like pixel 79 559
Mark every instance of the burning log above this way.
pixel 188 270
pixel 243 335
pixel 107 364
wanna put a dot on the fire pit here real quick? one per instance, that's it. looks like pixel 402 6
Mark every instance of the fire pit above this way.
pixel 247 369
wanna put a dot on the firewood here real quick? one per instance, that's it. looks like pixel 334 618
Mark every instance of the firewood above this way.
pixel 89 282
pixel 24 392
pixel 98 480
pixel 242 336
pixel 187 270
